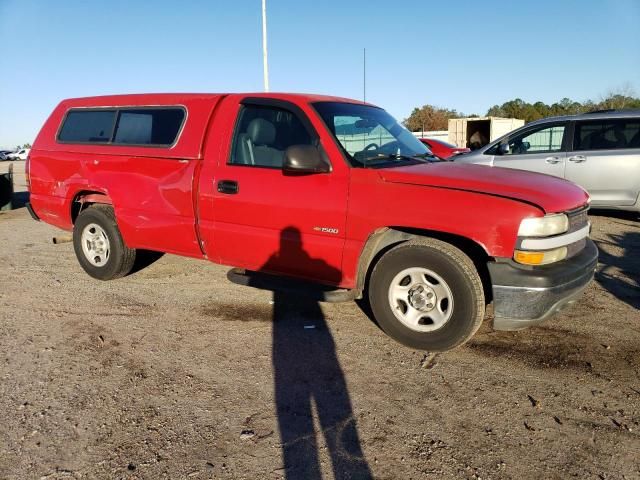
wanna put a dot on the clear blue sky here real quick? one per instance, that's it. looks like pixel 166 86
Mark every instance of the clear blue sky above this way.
pixel 467 55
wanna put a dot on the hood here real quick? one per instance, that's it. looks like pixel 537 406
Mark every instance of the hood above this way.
pixel 552 194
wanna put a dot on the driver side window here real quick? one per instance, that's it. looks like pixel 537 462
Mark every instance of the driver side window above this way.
pixel 546 139
pixel 264 133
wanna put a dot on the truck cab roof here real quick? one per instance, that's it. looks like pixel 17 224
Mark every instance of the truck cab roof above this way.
pixel 189 142
pixel 173 98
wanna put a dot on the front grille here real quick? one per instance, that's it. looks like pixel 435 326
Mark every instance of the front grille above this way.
pixel 577 219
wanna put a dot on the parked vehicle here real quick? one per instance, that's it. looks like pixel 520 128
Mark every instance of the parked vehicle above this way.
pixel 21 154
pixel 599 151
pixel 4 154
pixel 318 188
pixel 442 149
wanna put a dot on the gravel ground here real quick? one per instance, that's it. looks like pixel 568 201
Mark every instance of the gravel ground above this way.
pixel 173 372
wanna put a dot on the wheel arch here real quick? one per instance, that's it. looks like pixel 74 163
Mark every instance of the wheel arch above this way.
pixel 384 239
pixel 84 199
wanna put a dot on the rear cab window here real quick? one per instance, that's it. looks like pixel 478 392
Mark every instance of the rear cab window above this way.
pixel 135 126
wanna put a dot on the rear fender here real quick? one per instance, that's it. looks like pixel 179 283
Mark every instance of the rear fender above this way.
pixel 83 199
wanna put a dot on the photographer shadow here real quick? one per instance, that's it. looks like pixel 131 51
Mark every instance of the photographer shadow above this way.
pixel 308 377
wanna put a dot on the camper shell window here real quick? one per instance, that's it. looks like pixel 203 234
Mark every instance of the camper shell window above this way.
pixel 134 126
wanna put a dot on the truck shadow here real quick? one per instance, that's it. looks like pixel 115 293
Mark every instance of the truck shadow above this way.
pixel 144 259
pixel 8 198
pixel 552 347
pixel 19 200
pixel 539 347
pixel 308 377
pixel 620 274
pixel 618 214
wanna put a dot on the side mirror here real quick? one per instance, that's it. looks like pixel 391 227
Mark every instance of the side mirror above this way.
pixel 503 149
pixel 304 159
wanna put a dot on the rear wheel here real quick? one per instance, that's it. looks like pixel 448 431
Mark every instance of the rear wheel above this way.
pixel 99 246
pixel 427 294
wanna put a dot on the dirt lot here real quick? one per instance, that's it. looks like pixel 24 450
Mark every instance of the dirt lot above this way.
pixel 173 372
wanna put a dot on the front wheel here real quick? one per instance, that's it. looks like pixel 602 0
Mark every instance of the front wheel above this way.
pixel 427 294
pixel 99 246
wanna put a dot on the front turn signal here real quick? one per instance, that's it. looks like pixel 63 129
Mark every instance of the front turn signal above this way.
pixel 527 257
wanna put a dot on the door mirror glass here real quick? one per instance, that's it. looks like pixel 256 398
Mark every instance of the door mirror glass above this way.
pixel 304 159
pixel 503 149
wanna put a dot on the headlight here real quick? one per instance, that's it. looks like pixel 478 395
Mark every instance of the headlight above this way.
pixel 527 257
pixel 544 226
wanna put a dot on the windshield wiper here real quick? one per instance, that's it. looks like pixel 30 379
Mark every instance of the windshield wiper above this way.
pixel 396 156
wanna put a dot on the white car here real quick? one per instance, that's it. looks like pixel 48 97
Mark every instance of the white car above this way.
pixel 21 154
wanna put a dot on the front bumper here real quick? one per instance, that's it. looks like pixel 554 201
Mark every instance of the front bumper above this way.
pixel 523 297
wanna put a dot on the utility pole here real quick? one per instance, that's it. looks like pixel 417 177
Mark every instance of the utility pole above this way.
pixel 265 65
pixel 364 75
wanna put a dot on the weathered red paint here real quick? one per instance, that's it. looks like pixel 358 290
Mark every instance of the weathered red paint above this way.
pixel 165 198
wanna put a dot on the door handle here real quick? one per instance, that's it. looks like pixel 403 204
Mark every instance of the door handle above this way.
pixel 552 160
pixel 229 187
pixel 578 159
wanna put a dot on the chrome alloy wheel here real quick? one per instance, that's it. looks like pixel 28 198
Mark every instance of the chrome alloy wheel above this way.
pixel 420 299
pixel 95 245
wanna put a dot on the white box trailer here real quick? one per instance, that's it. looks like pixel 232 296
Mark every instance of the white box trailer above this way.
pixel 476 132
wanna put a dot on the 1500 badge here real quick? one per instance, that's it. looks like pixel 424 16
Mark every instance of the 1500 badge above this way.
pixel 334 231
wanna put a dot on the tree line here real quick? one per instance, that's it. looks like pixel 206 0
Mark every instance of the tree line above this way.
pixel 430 117
pixel 20 147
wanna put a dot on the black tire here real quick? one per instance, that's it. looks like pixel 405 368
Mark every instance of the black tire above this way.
pixel 120 259
pixel 460 275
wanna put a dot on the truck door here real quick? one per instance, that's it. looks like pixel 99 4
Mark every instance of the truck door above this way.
pixel 539 149
pixel 605 160
pixel 265 219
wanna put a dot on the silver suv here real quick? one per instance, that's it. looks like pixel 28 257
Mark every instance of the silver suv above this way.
pixel 599 151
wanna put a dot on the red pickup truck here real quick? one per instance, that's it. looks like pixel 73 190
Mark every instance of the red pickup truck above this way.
pixel 317 189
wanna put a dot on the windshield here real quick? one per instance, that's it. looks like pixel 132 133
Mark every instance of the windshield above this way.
pixel 371 137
